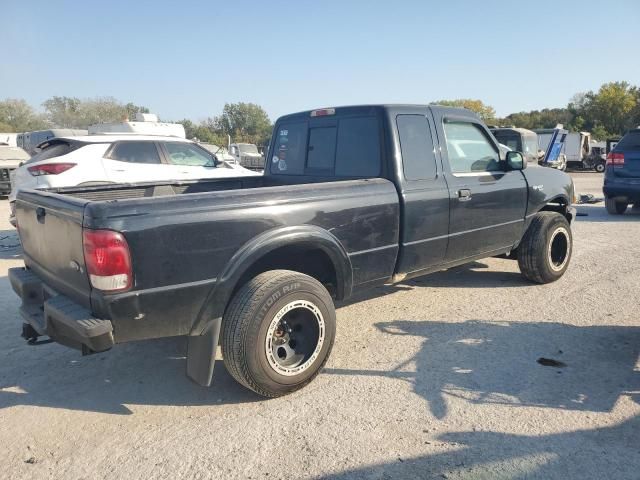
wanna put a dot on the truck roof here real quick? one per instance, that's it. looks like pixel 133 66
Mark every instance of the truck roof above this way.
pixel 348 109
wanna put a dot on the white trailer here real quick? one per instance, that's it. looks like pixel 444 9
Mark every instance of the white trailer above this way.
pixel 143 124
pixel 577 147
pixel 9 139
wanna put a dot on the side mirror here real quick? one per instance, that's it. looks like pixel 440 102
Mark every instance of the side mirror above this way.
pixel 515 161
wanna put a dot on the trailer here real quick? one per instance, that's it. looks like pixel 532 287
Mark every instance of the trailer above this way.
pixel 577 148
pixel 30 140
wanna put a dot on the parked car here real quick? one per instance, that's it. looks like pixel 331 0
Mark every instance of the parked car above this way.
pixel 622 174
pixel 247 155
pixel 103 159
pixel 10 159
pixel 519 140
pixel 221 153
pixel 364 196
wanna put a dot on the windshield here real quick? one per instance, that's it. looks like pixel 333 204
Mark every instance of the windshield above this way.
pixel 248 148
pixel 189 154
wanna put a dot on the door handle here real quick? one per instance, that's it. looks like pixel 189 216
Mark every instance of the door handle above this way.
pixel 464 195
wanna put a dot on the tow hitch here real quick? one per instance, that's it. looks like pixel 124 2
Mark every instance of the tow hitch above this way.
pixel 31 336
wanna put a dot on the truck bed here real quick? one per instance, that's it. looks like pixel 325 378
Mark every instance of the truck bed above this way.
pixel 182 246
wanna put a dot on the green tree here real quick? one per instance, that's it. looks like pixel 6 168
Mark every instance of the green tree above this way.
pixel 546 118
pixel 131 110
pixel 63 112
pixel 72 112
pixel 6 128
pixel 245 122
pixel 20 116
pixel 485 112
pixel 611 109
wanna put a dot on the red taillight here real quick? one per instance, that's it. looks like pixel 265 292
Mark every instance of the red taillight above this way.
pixel 107 258
pixel 50 168
pixel 615 158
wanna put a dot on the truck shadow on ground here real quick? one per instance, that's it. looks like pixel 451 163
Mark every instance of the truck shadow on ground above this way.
pixel 486 362
pixel 597 213
pixel 581 454
pixel 145 373
pixel 10 247
pixel 496 363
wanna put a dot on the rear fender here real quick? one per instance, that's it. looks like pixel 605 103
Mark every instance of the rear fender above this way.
pixel 257 248
pixel 203 338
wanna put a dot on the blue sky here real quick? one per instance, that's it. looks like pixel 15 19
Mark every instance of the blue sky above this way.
pixel 186 59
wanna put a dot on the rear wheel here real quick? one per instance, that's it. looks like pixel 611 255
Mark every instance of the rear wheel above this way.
pixel 545 250
pixel 615 207
pixel 600 167
pixel 278 332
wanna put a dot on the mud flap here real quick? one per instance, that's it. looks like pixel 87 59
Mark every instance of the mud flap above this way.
pixel 201 353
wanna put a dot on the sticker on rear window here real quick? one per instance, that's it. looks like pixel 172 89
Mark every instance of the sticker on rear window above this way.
pixel 275 159
pixel 282 165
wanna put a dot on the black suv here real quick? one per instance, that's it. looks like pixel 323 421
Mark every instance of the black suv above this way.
pixel 622 174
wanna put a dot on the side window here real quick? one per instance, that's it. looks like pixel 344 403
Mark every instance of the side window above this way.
pixel 416 144
pixel 188 154
pixel 358 149
pixel 289 150
pixel 469 149
pixel 135 152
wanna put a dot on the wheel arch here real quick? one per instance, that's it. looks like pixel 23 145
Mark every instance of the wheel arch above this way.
pixel 560 204
pixel 265 252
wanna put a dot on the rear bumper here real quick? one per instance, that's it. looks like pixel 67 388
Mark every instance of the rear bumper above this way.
pixel 628 189
pixel 57 316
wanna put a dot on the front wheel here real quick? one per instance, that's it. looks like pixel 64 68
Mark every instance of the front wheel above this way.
pixel 545 250
pixel 278 332
pixel 600 167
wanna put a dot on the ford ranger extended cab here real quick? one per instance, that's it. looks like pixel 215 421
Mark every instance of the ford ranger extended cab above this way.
pixel 351 198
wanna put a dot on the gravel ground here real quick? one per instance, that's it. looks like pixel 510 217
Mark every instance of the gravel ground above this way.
pixel 435 378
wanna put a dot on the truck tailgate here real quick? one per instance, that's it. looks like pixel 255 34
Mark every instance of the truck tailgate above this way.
pixel 50 227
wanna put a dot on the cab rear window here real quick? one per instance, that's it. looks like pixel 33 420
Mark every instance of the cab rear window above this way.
pixel 331 146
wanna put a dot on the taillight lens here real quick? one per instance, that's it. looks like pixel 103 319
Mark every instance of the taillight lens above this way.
pixel 615 158
pixel 108 261
pixel 50 168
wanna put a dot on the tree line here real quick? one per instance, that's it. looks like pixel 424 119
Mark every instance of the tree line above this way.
pixel 244 122
pixel 607 112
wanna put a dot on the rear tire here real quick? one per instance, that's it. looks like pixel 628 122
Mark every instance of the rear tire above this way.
pixel 600 167
pixel 545 250
pixel 278 332
pixel 614 207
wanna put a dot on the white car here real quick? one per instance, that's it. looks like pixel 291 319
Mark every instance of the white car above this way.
pixel 104 159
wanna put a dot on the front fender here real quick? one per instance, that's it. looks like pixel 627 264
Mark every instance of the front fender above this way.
pixel 217 300
pixel 547 185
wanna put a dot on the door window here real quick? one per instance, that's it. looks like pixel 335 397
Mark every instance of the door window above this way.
pixel 135 152
pixel 188 154
pixel 469 149
pixel 416 143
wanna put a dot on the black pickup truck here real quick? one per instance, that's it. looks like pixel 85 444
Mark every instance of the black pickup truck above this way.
pixel 351 198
